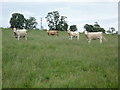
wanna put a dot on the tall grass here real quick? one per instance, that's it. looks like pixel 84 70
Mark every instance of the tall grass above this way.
pixel 56 62
pixel 0 58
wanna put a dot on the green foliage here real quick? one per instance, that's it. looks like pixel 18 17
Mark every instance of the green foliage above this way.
pixel 94 28
pixel 109 31
pixel 30 23
pixel 65 27
pixel 62 24
pixel 17 20
pixel 112 29
pixel 56 62
pixel 89 28
pixel 96 25
pixel 52 19
pixel 55 22
pixel 73 28
pixel 100 30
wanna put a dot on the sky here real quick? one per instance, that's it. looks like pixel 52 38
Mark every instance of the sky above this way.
pixel 79 13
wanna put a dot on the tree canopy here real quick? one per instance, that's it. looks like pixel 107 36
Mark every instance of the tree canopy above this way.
pixel 94 28
pixel 96 25
pixel 30 23
pixel 112 30
pixel 73 28
pixel 56 22
pixel 19 21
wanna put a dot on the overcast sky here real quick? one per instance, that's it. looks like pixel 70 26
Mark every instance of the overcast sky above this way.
pixel 79 13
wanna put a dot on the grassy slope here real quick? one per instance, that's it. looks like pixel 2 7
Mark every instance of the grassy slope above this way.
pixel 50 62
pixel 0 58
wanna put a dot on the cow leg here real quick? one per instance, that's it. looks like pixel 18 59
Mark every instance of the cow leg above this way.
pixel 18 37
pixel 100 41
pixel 78 37
pixel 71 37
pixel 89 41
pixel 26 37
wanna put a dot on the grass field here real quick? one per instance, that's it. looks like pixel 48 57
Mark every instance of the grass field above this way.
pixel 56 62
pixel 0 59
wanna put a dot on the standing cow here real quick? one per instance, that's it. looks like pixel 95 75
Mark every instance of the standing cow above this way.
pixel 20 33
pixel 72 34
pixel 52 32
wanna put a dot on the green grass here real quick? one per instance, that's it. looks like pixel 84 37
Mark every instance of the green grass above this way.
pixel 0 58
pixel 56 62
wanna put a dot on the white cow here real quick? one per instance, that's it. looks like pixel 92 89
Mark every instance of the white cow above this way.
pixel 94 35
pixel 72 34
pixel 20 33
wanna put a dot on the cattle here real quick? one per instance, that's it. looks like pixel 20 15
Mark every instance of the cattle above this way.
pixel 52 32
pixel 94 35
pixel 18 33
pixel 72 34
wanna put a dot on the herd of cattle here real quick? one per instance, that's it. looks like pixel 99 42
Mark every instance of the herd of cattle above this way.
pixel 89 35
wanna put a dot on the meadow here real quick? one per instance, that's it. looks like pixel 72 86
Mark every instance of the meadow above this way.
pixel 55 62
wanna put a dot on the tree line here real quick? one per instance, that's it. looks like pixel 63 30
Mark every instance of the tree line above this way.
pixel 19 21
pixel 94 28
pixel 55 22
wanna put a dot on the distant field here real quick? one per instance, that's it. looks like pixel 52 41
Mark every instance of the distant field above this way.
pixel 56 62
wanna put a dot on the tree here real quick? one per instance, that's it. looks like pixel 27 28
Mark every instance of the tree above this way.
pixel 109 31
pixel 52 19
pixel 73 28
pixel 100 30
pixel 112 30
pixel 97 28
pixel 94 28
pixel 30 23
pixel 17 20
pixel 56 22
pixel 56 18
pixel 89 28
pixel 65 27
pixel 62 24
pixel 96 25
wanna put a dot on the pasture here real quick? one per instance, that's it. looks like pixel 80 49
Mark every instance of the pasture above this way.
pixel 55 62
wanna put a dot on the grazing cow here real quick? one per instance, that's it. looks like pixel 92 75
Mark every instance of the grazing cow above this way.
pixel 72 34
pixel 20 33
pixel 94 35
pixel 52 32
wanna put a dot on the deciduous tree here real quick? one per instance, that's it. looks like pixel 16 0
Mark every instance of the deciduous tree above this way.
pixel 17 20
